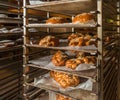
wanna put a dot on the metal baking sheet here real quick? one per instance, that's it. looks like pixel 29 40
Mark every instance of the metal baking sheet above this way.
pixel 10 20
pixel 11 49
pixel 8 4
pixel 69 7
pixel 89 49
pixel 76 93
pixel 46 61
pixel 47 80
pixel 64 25
pixel 86 71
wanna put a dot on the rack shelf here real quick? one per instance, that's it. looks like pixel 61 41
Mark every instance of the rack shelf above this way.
pixel 76 94
pixel 7 4
pixel 71 6
pixel 83 49
pixel 67 25
pixel 11 48
pixel 91 73
pixel 10 34
pixel 10 20
pixel 68 7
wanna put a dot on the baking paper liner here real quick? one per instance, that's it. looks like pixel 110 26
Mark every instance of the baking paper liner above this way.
pixel 47 80
pixel 46 62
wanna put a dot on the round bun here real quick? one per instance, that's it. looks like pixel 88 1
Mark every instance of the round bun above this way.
pixel 83 18
pixel 57 20
pixel 49 41
pixel 59 58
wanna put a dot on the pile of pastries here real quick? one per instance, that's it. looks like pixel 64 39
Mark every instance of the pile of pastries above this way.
pixel 79 39
pixel 61 59
pixel 65 80
pixel 75 39
pixel 61 97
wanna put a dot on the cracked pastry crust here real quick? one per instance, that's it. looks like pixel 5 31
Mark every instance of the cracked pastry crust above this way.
pixel 81 40
pixel 83 18
pixel 59 58
pixel 49 41
pixel 65 80
pixel 73 63
pixel 57 20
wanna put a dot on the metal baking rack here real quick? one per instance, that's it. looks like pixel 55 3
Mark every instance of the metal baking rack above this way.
pixel 106 74
pixel 11 56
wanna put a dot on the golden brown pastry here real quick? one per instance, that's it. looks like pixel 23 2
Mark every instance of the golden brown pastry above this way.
pixel 90 42
pixel 65 80
pixel 87 37
pixel 83 18
pixel 62 97
pixel 81 54
pixel 73 63
pixel 89 60
pixel 57 20
pixel 49 41
pixel 74 35
pixel 95 36
pixel 78 41
pixel 59 58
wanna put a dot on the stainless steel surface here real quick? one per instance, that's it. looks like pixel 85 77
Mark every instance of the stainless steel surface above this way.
pixel 76 94
pixel 71 6
pixel 66 25
pixel 10 20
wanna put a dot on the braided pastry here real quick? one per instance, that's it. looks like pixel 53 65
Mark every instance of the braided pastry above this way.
pixel 59 58
pixel 73 63
pixel 65 80
pixel 89 60
pixel 79 41
pixel 49 41
pixel 73 36
pixel 61 97
pixel 89 42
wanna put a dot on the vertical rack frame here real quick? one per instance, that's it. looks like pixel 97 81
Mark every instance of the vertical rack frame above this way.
pixel 25 49
pixel 118 31
pixel 100 48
